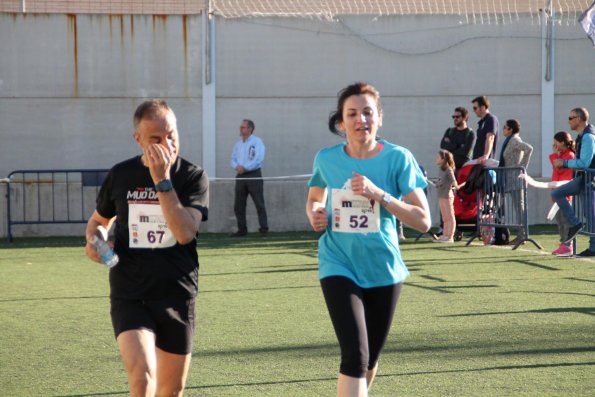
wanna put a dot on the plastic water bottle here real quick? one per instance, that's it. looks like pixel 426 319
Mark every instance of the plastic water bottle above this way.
pixel 108 257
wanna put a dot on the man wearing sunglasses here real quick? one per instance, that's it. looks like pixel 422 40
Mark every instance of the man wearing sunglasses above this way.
pixel 578 120
pixel 460 139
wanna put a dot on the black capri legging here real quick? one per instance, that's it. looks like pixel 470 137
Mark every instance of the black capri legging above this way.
pixel 362 318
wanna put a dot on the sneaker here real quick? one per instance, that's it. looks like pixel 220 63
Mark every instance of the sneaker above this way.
pixel 572 232
pixel 563 250
pixel 443 240
pixel 586 253
pixel 560 247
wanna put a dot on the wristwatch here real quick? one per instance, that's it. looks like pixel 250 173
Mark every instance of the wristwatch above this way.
pixel 164 186
pixel 386 197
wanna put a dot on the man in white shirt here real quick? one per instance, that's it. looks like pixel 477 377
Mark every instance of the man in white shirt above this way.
pixel 247 158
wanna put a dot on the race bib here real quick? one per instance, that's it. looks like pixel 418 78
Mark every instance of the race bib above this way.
pixel 147 227
pixel 354 214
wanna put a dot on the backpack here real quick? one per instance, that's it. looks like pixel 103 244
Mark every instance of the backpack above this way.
pixel 501 236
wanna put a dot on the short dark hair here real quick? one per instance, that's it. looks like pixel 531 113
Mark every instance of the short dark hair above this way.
pixel 250 123
pixel 149 108
pixel 464 112
pixel 482 101
pixel 514 125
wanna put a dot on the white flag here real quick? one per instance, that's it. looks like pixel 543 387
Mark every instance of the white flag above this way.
pixel 587 21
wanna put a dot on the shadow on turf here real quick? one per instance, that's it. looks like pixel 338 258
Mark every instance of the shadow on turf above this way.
pixel 414 264
pixel 552 293
pixel 581 310
pixel 487 260
pixel 496 368
pixel 580 279
pixel 308 268
pixel 260 289
pixel 331 348
pixel 332 379
pixel 534 264
pixel 446 289
pixel 279 250
pixel 54 298
pixel 44 242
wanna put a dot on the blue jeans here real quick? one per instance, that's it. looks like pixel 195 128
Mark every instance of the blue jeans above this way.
pixel 559 195
pixel 572 188
pixel 592 238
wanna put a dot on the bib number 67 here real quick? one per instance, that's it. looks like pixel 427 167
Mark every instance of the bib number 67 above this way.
pixel 154 236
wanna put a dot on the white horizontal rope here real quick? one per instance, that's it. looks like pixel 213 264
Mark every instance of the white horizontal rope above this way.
pixel 265 178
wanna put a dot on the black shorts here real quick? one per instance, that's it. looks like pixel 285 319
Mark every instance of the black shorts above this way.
pixel 171 320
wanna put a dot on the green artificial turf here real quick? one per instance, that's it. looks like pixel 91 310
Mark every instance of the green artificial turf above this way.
pixel 471 321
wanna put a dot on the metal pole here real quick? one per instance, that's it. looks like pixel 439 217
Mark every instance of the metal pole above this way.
pixel 209 94
pixel 549 20
pixel 8 220
pixel 208 44
pixel 547 86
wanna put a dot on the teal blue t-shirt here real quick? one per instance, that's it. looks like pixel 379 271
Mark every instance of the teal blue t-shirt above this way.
pixel 371 259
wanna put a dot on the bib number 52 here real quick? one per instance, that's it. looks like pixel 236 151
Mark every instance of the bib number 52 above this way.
pixel 358 221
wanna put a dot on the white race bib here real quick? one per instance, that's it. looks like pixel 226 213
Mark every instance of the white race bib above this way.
pixel 147 227
pixel 354 214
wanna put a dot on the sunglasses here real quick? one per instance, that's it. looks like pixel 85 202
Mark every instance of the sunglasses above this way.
pixel 475 107
pixel 454 116
pixel 572 117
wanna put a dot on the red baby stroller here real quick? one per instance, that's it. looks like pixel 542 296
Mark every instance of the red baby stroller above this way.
pixel 465 202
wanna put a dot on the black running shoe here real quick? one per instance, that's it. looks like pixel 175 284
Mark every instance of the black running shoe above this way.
pixel 586 253
pixel 572 232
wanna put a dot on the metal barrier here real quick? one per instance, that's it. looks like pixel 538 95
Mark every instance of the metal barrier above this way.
pixel 51 196
pixel 584 204
pixel 502 203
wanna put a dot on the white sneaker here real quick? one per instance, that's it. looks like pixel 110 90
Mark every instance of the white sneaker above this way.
pixel 443 240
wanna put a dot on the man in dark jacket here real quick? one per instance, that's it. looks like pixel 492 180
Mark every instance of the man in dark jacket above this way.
pixel 460 139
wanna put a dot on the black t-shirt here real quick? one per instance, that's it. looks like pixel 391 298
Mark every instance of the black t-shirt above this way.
pixel 489 123
pixel 460 143
pixel 151 273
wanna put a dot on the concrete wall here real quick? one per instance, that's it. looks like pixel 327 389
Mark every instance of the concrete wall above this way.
pixel 69 85
pixel 284 73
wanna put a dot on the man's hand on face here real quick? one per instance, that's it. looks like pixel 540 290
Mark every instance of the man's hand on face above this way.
pixel 159 159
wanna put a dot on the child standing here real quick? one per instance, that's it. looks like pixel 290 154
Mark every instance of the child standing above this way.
pixel 446 181
pixel 563 149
